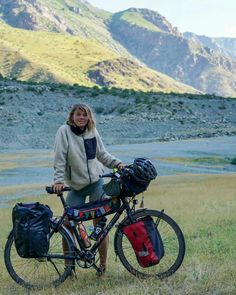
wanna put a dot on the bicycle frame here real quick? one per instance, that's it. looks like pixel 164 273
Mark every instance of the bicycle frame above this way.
pixel 82 252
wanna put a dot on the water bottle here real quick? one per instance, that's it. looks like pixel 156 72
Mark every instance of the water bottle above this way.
pixel 84 235
pixel 98 229
pixel 90 230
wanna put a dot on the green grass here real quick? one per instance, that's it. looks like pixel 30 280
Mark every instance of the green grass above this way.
pixel 136 19
pixel 202 161
pixel 59 57
pixel 203 205
pixel 54 57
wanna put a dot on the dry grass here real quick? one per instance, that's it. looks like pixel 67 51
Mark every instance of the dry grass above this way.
pixel 205 208
pixel 20 160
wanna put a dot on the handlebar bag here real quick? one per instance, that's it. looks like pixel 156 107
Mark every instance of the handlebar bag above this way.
pixel 125 186
pixel 94 209
pixel 145 240
pixel 31 229
pixel 131 187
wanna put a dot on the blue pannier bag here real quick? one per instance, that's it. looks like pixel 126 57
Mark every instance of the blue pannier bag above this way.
pixel 31 229
pixel 145 240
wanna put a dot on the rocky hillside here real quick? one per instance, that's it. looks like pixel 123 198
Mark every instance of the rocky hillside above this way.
pixel 167 51
pixel 228 45
pixel 30 114
pixel 225 46
pixel 126 72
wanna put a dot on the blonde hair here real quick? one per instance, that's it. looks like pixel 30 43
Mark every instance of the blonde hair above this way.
pixel 85 108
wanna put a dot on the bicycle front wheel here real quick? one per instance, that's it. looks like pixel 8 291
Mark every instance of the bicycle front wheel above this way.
pixel 43 272
pixel 173 242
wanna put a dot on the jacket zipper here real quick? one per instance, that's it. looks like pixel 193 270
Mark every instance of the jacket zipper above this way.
pixel 90 181
pixel 70 172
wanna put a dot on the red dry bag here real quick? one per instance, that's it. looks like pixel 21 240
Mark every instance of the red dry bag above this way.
pixel 145 240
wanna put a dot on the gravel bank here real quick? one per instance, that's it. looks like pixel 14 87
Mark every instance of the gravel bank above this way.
pixel 31 114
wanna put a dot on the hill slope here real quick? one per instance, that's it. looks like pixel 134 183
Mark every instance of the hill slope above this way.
pixel 71 59
pixel 69 16
pixel 225 46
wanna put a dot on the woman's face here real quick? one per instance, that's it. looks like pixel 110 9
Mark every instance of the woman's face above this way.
pixel 80 118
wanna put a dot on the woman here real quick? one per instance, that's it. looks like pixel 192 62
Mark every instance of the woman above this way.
pixel 79 155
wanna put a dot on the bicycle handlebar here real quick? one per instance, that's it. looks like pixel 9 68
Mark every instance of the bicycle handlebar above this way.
pixel 114 174
pixel 50 189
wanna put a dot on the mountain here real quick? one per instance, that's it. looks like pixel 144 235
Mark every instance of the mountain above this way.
pixel 136 40
pixel 228 45
pixel 69 16
pixel 225 46
pixel 151 38
pixel 74 60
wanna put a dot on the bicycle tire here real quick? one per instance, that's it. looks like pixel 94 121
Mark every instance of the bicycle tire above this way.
pixel 39 273
pixel 173 241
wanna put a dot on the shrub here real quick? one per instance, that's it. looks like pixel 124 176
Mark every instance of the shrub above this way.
pixel 122 110
pixel 99 110
pixel 94 93
pixel 104 89
pixel 96 88
pixel 233 161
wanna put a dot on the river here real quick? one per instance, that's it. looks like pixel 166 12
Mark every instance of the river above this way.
pixel 26 172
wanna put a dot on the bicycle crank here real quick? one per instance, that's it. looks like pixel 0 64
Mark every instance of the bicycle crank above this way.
pixel 86 260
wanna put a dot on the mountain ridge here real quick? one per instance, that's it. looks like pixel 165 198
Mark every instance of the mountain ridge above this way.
pixel 176 56
pixel 141 35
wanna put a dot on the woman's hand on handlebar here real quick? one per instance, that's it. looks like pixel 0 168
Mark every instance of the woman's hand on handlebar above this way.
pixel 120 166
pixel 58 187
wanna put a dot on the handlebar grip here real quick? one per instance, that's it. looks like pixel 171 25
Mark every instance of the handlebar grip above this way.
pixel 106 175
pixel 50 190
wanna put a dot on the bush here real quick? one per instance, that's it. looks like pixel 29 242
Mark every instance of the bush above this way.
pixel 233 161
pixel 104 90
pixel 99 110
pixel 122 110
pixel 94 93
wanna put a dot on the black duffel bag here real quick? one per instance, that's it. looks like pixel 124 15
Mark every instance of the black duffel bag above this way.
pixel 31 229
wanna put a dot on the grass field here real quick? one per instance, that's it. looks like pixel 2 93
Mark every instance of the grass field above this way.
pixel 205 208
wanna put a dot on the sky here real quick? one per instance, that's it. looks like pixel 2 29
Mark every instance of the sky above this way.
pixel 212 18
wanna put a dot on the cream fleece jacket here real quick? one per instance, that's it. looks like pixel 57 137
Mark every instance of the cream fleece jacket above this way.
pixel 79 158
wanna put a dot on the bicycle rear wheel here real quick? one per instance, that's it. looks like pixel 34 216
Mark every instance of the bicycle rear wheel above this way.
pixel 43 272
pixel 173 241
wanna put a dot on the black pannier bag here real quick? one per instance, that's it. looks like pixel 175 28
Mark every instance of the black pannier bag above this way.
pixel 145 240
pixel 31 229
pixel 94 209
